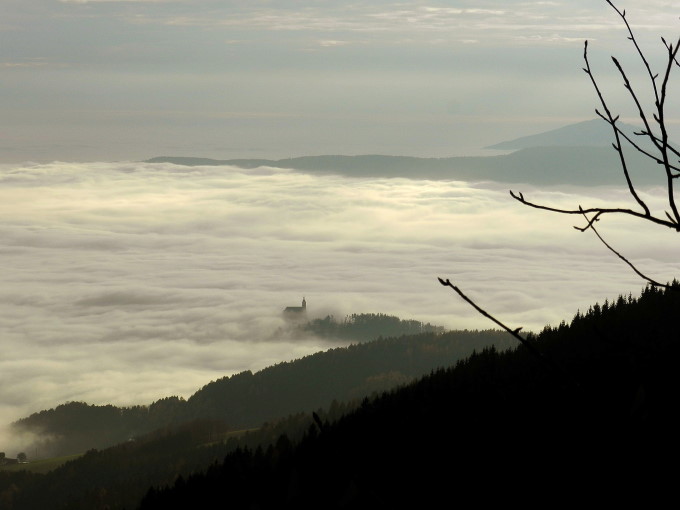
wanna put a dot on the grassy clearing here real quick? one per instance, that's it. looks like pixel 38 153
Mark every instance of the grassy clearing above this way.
pixel 41 466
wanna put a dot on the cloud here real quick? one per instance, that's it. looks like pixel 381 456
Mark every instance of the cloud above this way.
pixel 330 43
pixel 27 64
pixel 119 1
pixel 389 22
pixel 133 281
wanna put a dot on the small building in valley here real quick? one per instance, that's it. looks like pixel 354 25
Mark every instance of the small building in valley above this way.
pixel 6 461
pixel 296 312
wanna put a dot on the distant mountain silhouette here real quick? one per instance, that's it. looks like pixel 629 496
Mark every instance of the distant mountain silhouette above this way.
pixel 578 154
pixel 589 133
pixel 584 165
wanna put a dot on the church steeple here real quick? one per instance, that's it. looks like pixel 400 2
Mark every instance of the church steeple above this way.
pixel 296 312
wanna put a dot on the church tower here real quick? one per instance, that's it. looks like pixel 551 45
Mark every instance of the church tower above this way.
pixel 296 312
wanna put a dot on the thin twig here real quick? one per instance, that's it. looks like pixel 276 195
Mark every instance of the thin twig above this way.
pixel 631 37
pixel 612 122
pixel 670 147
pixel 598 211
pixel 660 99
pixel 513 332
pixel 664 133
pixel 630 264
pixel 637 147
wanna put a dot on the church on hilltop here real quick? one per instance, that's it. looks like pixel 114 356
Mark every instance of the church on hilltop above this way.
pixel 296 312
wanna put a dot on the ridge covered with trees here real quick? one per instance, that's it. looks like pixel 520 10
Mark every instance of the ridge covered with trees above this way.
pixel 496 426
pixel 362 327
pixel 248 399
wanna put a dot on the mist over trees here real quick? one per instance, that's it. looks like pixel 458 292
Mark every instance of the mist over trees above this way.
pixel 248 399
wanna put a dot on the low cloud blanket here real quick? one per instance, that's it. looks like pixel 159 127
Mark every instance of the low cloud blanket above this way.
pixel 126 282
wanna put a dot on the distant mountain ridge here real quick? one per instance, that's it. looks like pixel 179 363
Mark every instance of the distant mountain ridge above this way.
pixel 589 133
pixel 584 166
pixel 578 154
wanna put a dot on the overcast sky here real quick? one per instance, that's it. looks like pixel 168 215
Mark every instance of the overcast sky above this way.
pixel 131 79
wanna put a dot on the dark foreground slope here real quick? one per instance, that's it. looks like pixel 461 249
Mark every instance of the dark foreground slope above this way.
pixel 498 428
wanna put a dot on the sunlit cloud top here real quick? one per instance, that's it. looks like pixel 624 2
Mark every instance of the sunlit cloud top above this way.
pixel 128 282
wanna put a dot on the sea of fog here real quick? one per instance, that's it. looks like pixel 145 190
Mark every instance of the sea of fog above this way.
pixel 126 282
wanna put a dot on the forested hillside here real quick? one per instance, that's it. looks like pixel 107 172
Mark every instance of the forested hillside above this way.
pixel 497 427
pixel 248 399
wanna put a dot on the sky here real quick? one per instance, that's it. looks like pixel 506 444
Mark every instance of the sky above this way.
pixel 123 80
pixel 124 282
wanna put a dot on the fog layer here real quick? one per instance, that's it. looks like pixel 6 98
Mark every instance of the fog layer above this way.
pixel 126 282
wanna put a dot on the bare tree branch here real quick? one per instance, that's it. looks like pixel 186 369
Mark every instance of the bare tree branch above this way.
pixel 637 147
pixel 514 332
pixel 598 211
pixel 612 122
pixel 631 37
pixel 672 52
pixel 670 147
pixel 661 143
pixel 630 264
pixel 669 48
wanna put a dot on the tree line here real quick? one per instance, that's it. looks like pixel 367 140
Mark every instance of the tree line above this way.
pixel 248 399
pixel 362 327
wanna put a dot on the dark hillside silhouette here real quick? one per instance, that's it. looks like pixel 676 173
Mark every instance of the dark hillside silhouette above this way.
pixel 248 399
